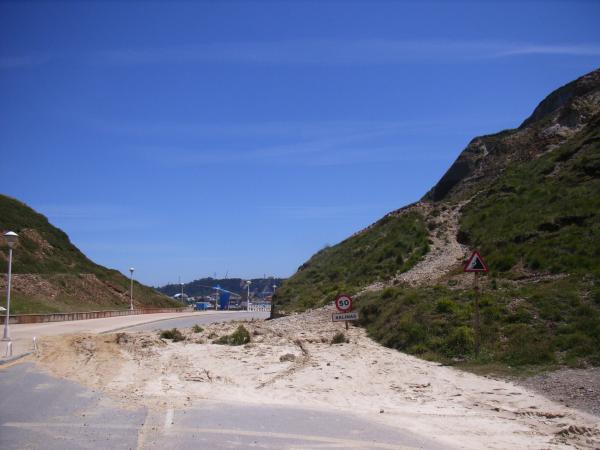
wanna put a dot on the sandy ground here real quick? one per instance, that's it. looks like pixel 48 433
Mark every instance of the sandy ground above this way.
pixel 291 361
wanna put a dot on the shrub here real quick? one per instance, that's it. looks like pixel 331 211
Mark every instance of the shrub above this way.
pixel 339 338
pixel 197 329
pixel 388 293
pixel 460 342
pixel 173 334
pixel 445 306
pixel 122 338
pixel 240 336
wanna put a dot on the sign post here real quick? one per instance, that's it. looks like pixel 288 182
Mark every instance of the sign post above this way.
pixel 476 265
pixel 343 303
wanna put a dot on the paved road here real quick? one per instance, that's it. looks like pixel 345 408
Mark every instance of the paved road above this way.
pixel 22 334
pixel 198 319
pixel 38 411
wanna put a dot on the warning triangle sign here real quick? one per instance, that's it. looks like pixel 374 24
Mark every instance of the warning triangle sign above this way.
pixel 476 264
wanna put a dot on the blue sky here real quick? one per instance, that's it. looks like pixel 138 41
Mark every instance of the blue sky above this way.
pixel 192 139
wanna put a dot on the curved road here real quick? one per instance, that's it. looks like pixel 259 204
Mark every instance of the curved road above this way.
pixel 22 334
pixel 199 319
pixel 38 411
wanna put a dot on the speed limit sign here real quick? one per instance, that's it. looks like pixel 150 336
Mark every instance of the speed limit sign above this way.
pixel 343 303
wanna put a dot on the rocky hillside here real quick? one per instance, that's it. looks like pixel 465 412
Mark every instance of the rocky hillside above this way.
pixel 50 274
pixel 529 200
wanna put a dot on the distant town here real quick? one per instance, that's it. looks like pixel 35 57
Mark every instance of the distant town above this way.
pixel 224 293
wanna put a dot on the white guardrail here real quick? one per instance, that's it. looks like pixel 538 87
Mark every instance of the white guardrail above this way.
pixel 260 308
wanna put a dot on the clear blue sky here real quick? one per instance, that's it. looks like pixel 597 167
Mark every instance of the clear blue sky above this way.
pixel 187 139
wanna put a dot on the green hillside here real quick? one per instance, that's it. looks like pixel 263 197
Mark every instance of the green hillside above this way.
pixel 394 243
pixel 52 275
pixel 529 200
pixel 543 214
pixel 538 226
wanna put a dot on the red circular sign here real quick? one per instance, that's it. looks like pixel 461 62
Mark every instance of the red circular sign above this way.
pixel 343 303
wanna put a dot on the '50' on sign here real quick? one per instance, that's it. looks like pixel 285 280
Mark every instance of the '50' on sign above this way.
pixel 343 303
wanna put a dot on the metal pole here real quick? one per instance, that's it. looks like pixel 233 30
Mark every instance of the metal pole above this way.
pixel 477 322
pixel 131 291
pixel 272 312
pixel 248 300
pixel 6 336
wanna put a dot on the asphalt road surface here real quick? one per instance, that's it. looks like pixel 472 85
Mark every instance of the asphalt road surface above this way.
pixel 38 411
pixel 22 334
pixel 199 319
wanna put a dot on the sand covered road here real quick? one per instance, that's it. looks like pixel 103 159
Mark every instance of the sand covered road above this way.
pixel 290 361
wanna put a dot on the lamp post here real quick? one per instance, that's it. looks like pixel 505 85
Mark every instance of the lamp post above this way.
pixel 182 300
pixel 11 239
pixel 131 269
pixel 272 312
pixel 248 283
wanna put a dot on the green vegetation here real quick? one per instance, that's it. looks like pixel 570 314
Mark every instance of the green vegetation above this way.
pixel 174 334
pixel 339 338
pixel 197 329
pixel 542 215
pixel 240 336
pixel 38 240
pixel 392 245
pixel 534 214
pixel 552 322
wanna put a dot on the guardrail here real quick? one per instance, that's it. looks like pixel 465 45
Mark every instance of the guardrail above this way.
pixel 260 308
pixel 62 317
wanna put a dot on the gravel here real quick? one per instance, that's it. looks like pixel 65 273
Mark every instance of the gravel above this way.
pixel 577 388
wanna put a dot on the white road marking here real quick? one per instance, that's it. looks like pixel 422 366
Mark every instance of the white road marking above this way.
pixel 347 443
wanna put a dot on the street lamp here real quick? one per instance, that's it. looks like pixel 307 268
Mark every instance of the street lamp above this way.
pixel 272 313
pixel 11 239
pixel 248 283
pixel 131 269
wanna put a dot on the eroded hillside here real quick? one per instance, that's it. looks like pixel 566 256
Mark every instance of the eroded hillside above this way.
pixel 529 200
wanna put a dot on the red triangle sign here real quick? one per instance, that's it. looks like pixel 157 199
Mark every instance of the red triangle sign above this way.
pixel 476 264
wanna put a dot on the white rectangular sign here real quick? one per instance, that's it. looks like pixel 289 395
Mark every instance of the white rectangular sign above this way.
pixel 339 317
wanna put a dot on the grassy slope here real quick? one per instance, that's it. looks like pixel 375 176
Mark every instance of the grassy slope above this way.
pixel 544 213
pixel 61 265
pixel 393 244
pixel 538 227
pixel 540 217
pixel 17 216
pixel 522 323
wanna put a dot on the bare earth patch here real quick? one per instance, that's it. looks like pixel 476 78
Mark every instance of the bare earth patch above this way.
pixel 574 387
pixel 445 252
pixel 290 361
